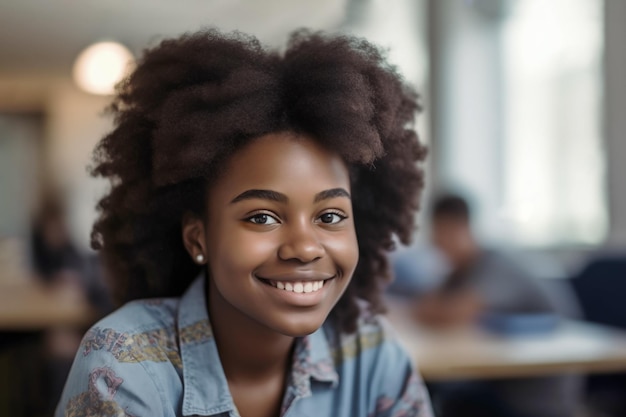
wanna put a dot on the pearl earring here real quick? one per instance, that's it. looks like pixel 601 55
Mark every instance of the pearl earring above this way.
pixel 199 258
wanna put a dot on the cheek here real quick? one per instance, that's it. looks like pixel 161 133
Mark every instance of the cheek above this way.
pixel 231 251
pixel 345 252
pixel 444 241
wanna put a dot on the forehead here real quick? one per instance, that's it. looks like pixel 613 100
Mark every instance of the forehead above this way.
pixel 448 223
pixel 283 162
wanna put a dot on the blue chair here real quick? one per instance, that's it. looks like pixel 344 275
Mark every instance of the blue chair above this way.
pixel 601 290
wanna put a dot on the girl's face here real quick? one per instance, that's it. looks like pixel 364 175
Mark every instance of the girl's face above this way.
pixel 279 236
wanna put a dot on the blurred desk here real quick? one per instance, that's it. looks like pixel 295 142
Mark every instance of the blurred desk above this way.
pixel 29 305
pixel 473 353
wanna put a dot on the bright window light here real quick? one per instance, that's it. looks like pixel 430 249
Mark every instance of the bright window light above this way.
pixel 553 155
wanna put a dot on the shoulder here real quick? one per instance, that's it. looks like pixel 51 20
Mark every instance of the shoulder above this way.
pixel 373 343
pixel 134 327
pixel 376 371
pixel 500 264
pixel 139 315
pixel 124 359
pixel 508 284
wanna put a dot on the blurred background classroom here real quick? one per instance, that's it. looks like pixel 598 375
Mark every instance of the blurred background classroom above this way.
pixel 511 301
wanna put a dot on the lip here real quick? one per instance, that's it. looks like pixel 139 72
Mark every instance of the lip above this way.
pixel 291 276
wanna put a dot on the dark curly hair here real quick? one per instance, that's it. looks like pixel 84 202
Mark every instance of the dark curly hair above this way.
pixel 451 206
pixel 194 100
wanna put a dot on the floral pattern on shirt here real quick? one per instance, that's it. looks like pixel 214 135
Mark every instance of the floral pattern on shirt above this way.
pixel 93 402
pixel 302 370
pixel 352 345
pixel 157 345
pixel 410 404
pixel 198 332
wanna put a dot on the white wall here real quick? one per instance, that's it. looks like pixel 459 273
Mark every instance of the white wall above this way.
pixel 75 123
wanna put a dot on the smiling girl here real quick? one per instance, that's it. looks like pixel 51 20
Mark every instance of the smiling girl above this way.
pixel 254 198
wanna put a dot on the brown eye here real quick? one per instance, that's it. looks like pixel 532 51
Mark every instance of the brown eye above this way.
pixel 331 218
pixel 262 218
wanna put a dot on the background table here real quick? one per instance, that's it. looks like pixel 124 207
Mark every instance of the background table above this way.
pixel 27 305
pixel 472 352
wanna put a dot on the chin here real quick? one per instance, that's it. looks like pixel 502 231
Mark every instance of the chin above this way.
pixel 299 328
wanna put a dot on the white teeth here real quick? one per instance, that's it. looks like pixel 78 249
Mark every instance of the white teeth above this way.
pixel 299 287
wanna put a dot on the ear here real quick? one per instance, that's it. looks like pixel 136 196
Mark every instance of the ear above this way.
pixel 194 232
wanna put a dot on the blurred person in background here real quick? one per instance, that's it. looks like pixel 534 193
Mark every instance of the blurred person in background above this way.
pixel 481 282
pixel 54 256
pixel 478 279
pixel 57 262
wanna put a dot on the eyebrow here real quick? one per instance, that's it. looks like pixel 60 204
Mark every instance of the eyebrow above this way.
pixel 261 195
pixel 332 193
pixel 282 198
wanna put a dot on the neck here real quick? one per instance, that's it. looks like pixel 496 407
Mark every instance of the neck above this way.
pixel 248 351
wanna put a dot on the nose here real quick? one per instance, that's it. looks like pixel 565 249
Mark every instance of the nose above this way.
pixel 301 242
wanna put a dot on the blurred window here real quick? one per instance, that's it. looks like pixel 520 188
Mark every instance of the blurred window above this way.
pixel 519 117
pixel 552 156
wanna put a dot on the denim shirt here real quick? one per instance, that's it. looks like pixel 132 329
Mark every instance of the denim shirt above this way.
pixel 158 357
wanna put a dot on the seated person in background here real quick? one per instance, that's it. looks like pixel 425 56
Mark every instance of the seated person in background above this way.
pixel 54 255
pixel 481 281
pixel 58 262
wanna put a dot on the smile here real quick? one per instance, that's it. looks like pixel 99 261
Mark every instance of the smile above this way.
pixel 299 287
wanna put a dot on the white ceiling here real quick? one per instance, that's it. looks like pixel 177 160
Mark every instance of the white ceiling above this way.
pixel 44 36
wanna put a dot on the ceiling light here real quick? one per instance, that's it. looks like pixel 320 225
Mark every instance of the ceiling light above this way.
pixel 102 65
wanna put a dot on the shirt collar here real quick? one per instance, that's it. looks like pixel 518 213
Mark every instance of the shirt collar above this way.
pixel 205 389
pixel 315 351
pixel 205 386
